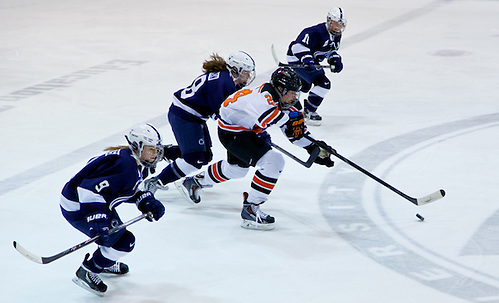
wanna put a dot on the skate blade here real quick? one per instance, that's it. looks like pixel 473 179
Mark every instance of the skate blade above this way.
pixel 86 287
pixel 248 224
pixel 112 274
pixel 313 122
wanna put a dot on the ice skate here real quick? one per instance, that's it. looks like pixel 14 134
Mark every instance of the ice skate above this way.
pixel 312 118
pixel 254 218
pixel 118 268
pixel 88 280
pixel 192 188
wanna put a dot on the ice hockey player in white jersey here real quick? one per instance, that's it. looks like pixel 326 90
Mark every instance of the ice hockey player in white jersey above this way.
pixel 244 118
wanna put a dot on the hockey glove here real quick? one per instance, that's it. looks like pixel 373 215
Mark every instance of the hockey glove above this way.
pixel 171 152
pixel 309 63
pixel 295 127
pixel 265 136
pixel 153 184
pixel 99 225
pixel 324 155
pixel 335 61
pixel 146 203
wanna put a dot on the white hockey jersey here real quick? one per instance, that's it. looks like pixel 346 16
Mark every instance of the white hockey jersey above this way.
pixel 250 110
pixel 254 110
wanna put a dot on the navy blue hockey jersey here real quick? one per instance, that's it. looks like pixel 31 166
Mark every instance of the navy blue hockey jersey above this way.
pixel 104 183
pixel 313 41
pixel 204 96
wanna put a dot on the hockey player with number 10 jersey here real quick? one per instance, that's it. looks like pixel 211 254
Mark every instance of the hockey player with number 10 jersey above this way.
pixel 244 117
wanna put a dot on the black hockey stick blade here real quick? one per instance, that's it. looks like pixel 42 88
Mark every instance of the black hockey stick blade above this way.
pixel 416 201
pixel 307 163
pixel 45 260
pixel 279 63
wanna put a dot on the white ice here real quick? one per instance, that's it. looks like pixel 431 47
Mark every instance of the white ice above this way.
pixel 416 104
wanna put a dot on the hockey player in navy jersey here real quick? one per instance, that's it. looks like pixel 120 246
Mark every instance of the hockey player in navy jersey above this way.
pixel 90 198
pixel 312 46
pixel 192 106
pixel 244 117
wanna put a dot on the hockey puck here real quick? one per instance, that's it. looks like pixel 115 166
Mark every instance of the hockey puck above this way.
pixel 420 217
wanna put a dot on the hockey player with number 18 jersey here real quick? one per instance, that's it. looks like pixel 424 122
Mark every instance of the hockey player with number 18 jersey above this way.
pixel 193 106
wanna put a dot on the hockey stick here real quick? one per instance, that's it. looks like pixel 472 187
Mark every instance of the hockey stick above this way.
pixel 46 260
pixel 416 201
pixel 307 163
pixel 279 63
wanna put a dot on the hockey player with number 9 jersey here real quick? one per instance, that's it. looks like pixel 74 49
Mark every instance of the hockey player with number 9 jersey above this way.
pixel 244 117
pixel 89 201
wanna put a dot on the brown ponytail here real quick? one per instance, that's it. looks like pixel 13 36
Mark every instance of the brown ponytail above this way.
pixel 113 148
pixel 215 64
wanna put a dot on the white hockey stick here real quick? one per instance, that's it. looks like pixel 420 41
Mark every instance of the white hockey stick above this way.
pixel 416 201
pixel 45 260
pixel 279 63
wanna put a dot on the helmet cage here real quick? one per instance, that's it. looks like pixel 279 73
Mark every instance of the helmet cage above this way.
pixel 336 21
pixel 286 79
pixel 240 63
pixel 291 102
pixel 141 136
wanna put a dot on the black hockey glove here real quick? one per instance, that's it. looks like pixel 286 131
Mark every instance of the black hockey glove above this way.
pixel 335 61
pixel 324 155
pixel 326 161
pixel 265 136
pixel 147 203
pixel 295 127
pixel 98 225
pixel 171 152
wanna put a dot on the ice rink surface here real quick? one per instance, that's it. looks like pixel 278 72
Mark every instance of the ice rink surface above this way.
pixel 416 104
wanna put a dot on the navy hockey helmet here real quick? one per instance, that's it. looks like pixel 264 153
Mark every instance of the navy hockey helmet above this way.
pixel 336 21
pixel 145 135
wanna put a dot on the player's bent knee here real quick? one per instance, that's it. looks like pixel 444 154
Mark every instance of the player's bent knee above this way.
pixel 323 82
pixel 126 243
pixel 197 159
pixel 272 161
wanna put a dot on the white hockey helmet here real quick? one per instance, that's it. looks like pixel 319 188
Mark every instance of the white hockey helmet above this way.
pixel 145 135
pixel 336 21
pixel 242 68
